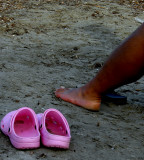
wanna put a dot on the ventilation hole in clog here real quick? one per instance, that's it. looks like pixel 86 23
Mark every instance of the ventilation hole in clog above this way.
pixel 9 130
pixel 35 127
pixel 47 119
pixel 52 118
pixel 66 131
pixel 61 127
pixel 40 126
pixel 54 122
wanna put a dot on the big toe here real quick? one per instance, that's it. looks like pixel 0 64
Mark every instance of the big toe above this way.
pixel 59 91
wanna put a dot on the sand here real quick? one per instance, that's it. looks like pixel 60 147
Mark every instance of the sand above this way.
pixel 47 44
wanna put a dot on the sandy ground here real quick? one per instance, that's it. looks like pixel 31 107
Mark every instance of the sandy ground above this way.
pixel 45 45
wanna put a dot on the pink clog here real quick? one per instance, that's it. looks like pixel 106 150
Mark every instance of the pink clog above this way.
pixel 22 128
pixel 54 129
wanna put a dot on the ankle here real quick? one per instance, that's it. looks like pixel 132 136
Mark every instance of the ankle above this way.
pixel 87 91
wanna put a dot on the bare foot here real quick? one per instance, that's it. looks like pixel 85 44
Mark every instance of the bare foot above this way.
pixel 80 97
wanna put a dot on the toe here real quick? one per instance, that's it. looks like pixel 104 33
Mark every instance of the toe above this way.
pixel 59 91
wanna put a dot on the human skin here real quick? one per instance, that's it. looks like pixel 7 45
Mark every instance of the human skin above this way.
pixel 125 65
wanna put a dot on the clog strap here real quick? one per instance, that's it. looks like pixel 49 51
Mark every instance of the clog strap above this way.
pixel 6 122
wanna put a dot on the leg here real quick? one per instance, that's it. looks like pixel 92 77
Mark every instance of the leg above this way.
pixel 125 65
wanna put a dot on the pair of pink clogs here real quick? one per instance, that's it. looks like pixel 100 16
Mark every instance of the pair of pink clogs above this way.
pixel 25 128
